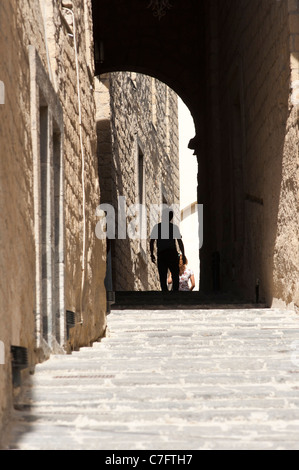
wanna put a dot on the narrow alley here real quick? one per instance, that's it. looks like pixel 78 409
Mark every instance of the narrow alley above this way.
pixel 91 158
pixel 188 379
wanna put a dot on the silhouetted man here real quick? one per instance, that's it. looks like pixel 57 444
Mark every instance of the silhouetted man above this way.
pixel 165 234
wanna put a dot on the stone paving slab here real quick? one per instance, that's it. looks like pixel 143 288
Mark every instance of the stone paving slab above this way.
pixel 215 379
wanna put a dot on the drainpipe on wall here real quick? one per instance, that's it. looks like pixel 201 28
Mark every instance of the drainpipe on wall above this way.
pixel 82 161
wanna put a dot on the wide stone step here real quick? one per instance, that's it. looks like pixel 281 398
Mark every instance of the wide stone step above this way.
pixel 159 299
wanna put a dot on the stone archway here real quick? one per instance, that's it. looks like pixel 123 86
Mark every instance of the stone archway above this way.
pixel 230 63
pixel 128 36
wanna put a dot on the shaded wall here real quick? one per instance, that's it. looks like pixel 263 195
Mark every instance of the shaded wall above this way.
pixel 253 167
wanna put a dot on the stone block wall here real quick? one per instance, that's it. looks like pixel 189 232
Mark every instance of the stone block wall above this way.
pixel 143 119
pixel 41 69
pixel 256 229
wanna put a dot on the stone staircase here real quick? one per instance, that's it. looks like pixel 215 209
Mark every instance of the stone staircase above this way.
pixel 173 379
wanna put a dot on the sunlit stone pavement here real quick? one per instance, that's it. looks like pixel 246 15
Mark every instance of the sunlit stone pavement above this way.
pixel 170 380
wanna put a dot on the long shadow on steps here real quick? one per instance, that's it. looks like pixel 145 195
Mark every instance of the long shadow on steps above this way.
pixel 179 300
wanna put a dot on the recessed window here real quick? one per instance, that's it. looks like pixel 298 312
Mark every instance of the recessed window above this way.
pixel 141 200
pixel 47 135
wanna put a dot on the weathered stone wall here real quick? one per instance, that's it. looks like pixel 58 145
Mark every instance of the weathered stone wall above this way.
pixel 43 25
pixel 286 254
pixel 256 228
pixel 143 119
pixel 82 193
pixel 16 186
